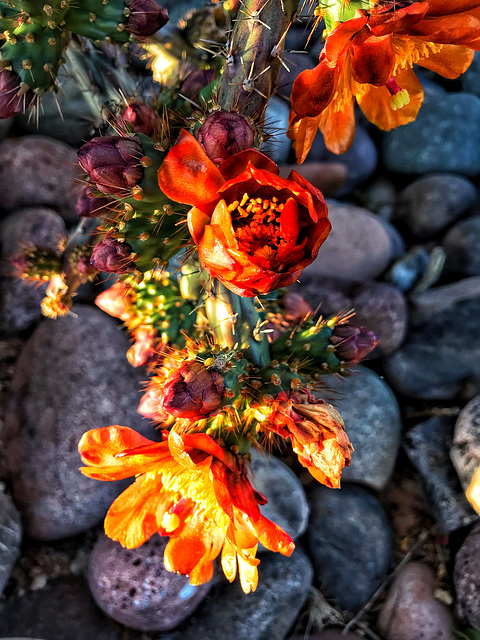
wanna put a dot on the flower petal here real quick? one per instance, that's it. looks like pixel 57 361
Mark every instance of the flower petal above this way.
pixel 338 126
pixel 313 90
pixel 236 164
pixel 373 58
pixel 450 62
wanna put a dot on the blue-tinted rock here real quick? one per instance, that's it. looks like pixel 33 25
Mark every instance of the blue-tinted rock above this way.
pixel 428 447
pixel 444 137
pixel 372 422
pixel 466 578
pixel 133 587
pixel 471 78
pixel 408 270
pixel 350 544
pixel 10 538
pixel 276 117
pixel 462 245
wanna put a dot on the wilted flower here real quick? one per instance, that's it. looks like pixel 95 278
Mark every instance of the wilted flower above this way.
pixel 88 206
pixel 113 163
pixel 223 134
pixel 112 256
pixel 190 489
pixel 146 18
pixel 255 231
pixel 58 301
pixel 352 343
pixel 12 99
pixel 143 352
pixel 142 118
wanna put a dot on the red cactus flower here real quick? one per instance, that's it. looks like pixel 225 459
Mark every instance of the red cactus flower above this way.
pixel 255 231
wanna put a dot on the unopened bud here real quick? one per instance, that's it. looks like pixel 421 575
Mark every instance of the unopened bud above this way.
pixel 112 256
pixel 146 17
pixel 352 343
pixel 223 134
pixel 88 206
pixel 195 82
pixel 142 118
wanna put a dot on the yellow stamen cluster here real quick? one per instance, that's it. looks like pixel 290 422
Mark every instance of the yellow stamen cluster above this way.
pixel 399 100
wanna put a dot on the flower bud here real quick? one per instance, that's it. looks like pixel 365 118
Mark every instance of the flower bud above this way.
pixel 88 206
pixel 352 343
pixel 113 163
pixel 11 102
pixel 141 117
pixel 295 307
pixel 146 18
pixel 116 301
pixel 143 352
pixel 112 256
pixel 193 391
pixel 223 134
pixel 195 82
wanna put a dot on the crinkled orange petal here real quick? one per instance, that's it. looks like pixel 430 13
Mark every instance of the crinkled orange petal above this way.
pixel 462 29
pixel 183 554
pixel 303 132
pixel 340 37
pixel 313 89
pixel 274 537
pixel 338 127
pixel 390 21
pixel 222 218
pixel 242 494
pixel 450 62
pixel 197 221
pixel 234 165
pixel 188 175
pixel 247 569
pixel 229 560
pixel 449 7
pixel 373 58
pixel 375 103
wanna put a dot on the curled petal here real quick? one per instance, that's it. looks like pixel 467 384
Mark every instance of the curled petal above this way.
pixel 313 90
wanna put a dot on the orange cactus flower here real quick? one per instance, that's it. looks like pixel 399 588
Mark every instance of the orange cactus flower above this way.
pixel 188 488
pixel 255 231
pixel 370 58
pixel 116 301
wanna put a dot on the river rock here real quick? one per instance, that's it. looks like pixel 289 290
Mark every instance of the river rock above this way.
pixel 432 203
pixel 428 446
pixel 466 577
pixel 410 612
pixel 279 146
pixel 20 302
pixel 265 614
pixel 442 347
pixel 350 544
pixel 63 610
pixel 373 424
pixel 133 587
pixel 465 452
pixel 287 503
pixel 71 376
pixel 35 170
pixel 462 244
pixel 471 78
pixel 10 538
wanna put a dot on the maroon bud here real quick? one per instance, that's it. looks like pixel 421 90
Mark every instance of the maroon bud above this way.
pixel 295 307
pixel 112 256
pixel 11 102
pixel 113 163
pixel 90 207
pixel 81 263
pixel 352 343
pixel 142 118
pixel 223 134
pixel 193 391
pixel 146 18
pixel 195 82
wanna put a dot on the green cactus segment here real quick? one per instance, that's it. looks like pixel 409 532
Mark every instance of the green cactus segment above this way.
pixel 98 20
pixel 37 263
pixel 309 345
pixel 50 13
pixel 8 17
pixel 35 52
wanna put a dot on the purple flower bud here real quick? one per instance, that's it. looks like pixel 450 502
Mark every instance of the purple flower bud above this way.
pixel 223 134
pixel 193 391
pixel 142 118
pixel 146 17
pixel 352 343
pixel 90 207
pixel 112 256
pixel 113 163
pixel 10 102
pixel 195 82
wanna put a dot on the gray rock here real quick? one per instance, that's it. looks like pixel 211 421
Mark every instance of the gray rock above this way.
pixel 442 348
pixel 471 78
pixel 350 544
pixel 265 614
pixel 462 244
pixel 63 610
pixel 428 445
pixel 373 424
pixel 10 538
pixel 72 375
pixel 287 503
pixel 359 246
pixel 466 577
pixel 465 452
pixel 410 612
pixel 431 203
pixel 409 269
pixel 444 137
pixel 380 197
pixel 133 587
pixel 276 117
pixel 20 302
pixel 39 171
pixel 5 126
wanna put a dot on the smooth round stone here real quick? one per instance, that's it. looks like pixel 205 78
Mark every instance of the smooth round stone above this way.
pixel 279 146
pixel 265 614
pixel 19 301
pixel 372 422
pixel 462 244
pixel 350 544
pixel 10 538
pixel 380 197
pixel 35 170
pixel 466 577
pixel 431 203
pixel 71 376
pixel 465 451
pixel 63 610
pixel 442 347
pixel 287 503
pixel 410 612
pixel 133 587
pixel 444 137
pixel 359 246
